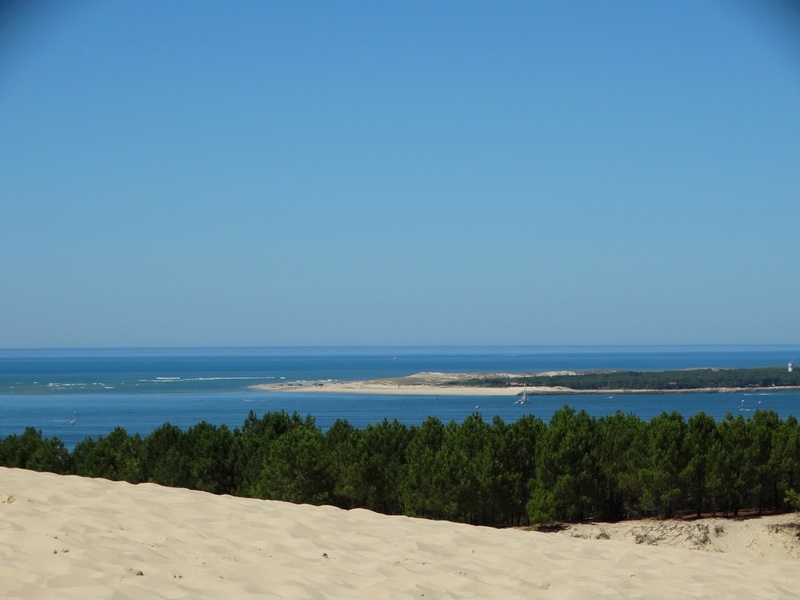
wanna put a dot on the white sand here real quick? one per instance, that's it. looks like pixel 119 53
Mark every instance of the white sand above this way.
pixel 773 537
pixel 421 384
pixel 68 537
pixel 366 387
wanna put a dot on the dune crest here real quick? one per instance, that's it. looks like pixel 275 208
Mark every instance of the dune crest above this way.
pixel 71 537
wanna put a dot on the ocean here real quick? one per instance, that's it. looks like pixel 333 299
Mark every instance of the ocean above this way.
pixel 78 393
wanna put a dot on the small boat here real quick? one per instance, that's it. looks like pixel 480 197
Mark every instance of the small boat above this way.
pixel 523 399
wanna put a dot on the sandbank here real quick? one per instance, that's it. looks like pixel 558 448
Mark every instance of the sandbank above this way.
pixel 447 384
pixel 71 537
pixel 420 384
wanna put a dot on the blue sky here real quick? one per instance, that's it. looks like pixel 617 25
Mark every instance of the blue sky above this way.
pixel 390 173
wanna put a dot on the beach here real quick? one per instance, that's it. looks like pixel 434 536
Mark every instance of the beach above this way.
pixel 419 384
pixel 71 537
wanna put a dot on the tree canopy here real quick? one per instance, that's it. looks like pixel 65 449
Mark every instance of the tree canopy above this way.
pixel 676 380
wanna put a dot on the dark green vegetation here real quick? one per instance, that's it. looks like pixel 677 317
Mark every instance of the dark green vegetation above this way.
pixel 576 467
pixel 684 380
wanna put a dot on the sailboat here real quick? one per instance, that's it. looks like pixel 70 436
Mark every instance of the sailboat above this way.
pixel 523 399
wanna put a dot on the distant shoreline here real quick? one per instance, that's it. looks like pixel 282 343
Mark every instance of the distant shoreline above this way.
pixel 449 384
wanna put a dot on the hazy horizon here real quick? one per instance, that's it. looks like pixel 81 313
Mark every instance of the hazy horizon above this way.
pixel 457 348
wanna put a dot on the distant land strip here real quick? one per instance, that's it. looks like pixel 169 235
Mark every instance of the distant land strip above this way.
pixel 561 382
pixel 683 380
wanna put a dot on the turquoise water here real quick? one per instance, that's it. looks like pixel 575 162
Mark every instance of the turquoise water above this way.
pixel 74 394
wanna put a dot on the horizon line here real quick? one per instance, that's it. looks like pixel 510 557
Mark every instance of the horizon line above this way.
pixel 404 346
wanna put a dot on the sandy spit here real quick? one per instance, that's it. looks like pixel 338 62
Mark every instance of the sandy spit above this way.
pixel 71 537
pixel 420 384
pixel 447 384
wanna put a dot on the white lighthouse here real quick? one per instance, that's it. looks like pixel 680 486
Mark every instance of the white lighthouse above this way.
pixel 790 367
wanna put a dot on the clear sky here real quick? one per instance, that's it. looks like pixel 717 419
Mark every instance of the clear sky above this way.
pixel 193 173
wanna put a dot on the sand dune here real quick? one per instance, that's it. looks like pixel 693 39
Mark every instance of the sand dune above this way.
pixel 773 537
pixel 68 537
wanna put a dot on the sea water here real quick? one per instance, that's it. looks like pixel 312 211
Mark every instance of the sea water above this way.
pixel 75 394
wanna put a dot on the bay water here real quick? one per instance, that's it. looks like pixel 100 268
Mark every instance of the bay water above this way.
pixel 78 393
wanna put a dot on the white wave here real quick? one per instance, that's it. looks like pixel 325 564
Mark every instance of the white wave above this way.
pixel 226 378
pixel 65 385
